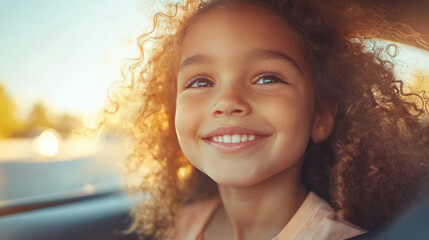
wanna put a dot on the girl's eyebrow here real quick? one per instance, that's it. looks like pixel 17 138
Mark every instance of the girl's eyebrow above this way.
pixel 259 53
pixel 195 59
pixel 272 54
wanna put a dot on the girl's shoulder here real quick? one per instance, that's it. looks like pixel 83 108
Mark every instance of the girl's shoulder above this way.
pixel 315 220
pixel 193 218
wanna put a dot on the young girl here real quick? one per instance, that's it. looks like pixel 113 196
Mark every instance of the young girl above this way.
pixel 277 119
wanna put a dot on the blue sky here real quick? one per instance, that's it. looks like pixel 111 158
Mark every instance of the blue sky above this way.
pixel 66 53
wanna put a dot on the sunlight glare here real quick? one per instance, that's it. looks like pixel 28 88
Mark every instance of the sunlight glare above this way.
pixel 90 120
pixel 47 143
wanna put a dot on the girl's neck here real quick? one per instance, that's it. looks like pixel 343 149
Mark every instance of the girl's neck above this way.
pixel 261 211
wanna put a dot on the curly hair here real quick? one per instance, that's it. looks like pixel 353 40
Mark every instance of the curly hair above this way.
pixel 369 169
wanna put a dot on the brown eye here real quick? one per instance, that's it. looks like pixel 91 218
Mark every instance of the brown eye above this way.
pixel 199 82
pixel 269 78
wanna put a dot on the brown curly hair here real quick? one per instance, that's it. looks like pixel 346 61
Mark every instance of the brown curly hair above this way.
pixel 369 169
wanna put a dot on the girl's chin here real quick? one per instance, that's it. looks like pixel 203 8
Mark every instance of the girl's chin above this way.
pixel 252 177
pixel 237 179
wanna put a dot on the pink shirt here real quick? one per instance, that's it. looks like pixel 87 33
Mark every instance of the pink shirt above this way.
pixel 313 220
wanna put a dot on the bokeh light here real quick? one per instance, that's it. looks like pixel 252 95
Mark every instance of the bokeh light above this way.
pixel 89 188
pixel 47 143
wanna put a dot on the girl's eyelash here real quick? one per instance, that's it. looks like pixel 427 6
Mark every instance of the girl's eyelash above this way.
pixel 270 74
pixel 194 79
pixel 258 77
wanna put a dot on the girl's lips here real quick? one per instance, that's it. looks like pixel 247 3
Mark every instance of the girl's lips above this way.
pixel 234 147
pixel 234 130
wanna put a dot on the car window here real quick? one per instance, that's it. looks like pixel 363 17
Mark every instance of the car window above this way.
pixel 54 78
pixel 81 167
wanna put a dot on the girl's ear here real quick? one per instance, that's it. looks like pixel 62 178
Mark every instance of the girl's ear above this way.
pixel 324 121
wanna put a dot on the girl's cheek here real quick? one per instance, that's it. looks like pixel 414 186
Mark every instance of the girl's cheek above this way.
pixel 188 113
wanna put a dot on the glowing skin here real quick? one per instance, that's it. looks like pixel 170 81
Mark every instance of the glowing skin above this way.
pixel 284 110
pixel 226 50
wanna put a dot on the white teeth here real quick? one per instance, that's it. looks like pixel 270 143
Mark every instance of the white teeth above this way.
pixel 236 138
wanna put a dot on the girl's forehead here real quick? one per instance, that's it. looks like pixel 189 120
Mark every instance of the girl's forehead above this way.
pixel 234 31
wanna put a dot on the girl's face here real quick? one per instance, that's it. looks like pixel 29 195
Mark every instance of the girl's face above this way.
pixel 240 67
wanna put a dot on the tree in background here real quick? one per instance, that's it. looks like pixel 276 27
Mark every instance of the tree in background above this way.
pixel 39 117
pixel 8 122
pixel 65 123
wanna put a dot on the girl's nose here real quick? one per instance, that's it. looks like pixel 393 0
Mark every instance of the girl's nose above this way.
pixel 230 105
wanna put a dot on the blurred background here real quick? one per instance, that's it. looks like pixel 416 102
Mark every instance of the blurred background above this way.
pixel 57 60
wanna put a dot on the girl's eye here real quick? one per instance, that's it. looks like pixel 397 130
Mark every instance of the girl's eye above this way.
pixel 269 78
pixel 199 82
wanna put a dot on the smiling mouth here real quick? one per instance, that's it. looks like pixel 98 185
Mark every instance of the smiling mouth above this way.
pixel 234 143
